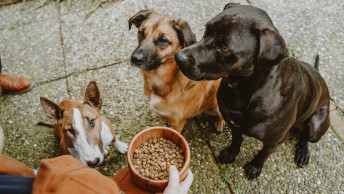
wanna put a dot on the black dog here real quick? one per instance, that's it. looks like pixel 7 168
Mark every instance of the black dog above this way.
pixel 264 93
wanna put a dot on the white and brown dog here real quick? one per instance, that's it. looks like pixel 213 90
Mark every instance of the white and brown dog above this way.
pixel 82 132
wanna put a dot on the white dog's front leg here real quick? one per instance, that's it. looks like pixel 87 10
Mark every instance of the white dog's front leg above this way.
pixel 120 146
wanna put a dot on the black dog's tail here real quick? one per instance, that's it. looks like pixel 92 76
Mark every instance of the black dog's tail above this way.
pixel 45 124
pixel 316 64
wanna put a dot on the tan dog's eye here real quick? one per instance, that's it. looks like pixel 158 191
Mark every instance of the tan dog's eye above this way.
pixel 141 34
pixel 224 49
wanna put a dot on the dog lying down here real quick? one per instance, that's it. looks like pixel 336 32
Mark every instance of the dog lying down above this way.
pixel 82 132
pixel 172 95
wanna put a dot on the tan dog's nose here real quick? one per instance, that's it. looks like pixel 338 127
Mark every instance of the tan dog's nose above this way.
pixel 137 58
pixel 93 163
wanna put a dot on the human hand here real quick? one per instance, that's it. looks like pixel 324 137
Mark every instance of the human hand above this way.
pixel 173 186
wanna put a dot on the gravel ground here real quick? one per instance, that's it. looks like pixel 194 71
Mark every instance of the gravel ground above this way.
pixel 62 51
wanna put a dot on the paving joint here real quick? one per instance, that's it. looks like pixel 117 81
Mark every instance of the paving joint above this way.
pixel 63 50
pixel 217 164
pixel 80 72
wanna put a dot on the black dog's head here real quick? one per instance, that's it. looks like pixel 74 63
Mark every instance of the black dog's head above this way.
pixel 160 37
pixel 238 42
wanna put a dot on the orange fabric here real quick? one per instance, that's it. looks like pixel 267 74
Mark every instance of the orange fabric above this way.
pixel 126 184
pixel 12 166
pixel 65 174
pixel 14 83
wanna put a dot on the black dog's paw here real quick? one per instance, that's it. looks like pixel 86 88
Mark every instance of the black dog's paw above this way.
pixel 227 156
pixel 252 171
pixel 302 156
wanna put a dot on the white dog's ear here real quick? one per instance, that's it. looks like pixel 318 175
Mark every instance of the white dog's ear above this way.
pixel 54 112
pixel 272 48
pixel 92 96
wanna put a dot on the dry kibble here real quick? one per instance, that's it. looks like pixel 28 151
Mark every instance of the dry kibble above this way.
pixel 154 157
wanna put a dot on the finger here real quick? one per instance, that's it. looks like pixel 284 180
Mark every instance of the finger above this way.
pixel 185 185
pixel 173 180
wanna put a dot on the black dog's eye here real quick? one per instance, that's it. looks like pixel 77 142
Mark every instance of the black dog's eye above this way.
pixel 141 34
pixel 92 121
pixel 71 130
pixel 224 49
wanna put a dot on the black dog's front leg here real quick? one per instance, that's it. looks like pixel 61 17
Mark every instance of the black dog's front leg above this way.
pixel 228 154
pixel 254 168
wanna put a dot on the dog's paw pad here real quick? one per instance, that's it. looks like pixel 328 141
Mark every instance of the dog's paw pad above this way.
pixel 121 146
pixel 302 156
pixel 252 171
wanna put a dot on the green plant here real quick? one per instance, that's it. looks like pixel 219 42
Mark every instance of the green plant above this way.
pixel 224 177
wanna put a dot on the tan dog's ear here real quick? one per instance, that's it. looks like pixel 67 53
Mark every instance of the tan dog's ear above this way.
pixel 54 112
pixel 229 5
pixel 272 48
pixel 139 17
pixel 185 36
pixel 92 96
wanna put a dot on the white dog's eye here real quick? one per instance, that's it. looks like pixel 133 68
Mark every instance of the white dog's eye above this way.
pixel 71 131
pixel 92 122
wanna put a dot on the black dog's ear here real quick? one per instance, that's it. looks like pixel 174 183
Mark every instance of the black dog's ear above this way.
pixel 139 17
pixel 185 36
pixel 272 48
pixel 92 96
pixel 229 5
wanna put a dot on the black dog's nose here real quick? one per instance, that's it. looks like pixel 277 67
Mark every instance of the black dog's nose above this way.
pixel 181 57
pixel 94 162
pixel 184 59
pixel 137 58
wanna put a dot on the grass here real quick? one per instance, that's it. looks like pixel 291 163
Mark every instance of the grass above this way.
pixel 293 53
pixel 224 177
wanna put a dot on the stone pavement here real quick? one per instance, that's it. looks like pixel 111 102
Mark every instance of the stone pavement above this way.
pixel 63 50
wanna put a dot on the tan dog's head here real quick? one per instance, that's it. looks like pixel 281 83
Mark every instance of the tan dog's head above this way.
pixel 79 126
pixel 160 37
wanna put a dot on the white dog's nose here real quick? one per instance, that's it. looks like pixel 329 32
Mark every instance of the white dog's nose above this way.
pixel 93 163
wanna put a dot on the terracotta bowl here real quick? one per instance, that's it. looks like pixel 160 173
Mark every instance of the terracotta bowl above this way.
pixel 157 132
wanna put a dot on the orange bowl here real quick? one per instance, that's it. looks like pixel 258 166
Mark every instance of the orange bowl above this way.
pixel 157 132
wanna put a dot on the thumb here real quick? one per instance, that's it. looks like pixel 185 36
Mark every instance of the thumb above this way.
pixel 173 180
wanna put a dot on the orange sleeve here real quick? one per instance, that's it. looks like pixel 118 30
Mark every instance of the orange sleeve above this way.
pixel 66 174
pixel 12 166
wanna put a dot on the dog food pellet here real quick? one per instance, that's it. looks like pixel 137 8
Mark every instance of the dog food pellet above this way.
pixel 155 156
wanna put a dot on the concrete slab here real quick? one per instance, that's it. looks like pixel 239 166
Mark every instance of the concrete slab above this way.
pixel 33 51
pixel 19 14
pixel 25 141
pixel 101 39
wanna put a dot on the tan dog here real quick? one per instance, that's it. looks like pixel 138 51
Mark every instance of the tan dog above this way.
pixel 82 132
pixel 172 95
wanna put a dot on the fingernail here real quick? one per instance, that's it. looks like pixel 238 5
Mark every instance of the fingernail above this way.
pixel 172 167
